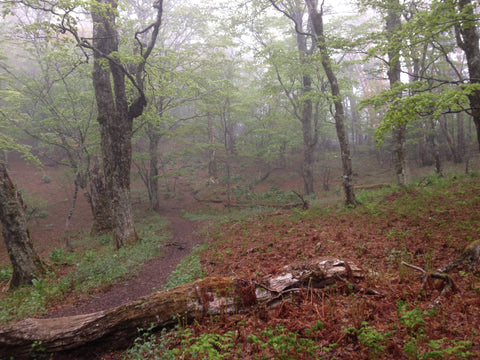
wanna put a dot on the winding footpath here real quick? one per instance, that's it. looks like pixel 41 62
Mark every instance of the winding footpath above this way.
pixel 153 274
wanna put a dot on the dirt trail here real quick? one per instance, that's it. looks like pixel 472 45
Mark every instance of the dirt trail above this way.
pixel 153 273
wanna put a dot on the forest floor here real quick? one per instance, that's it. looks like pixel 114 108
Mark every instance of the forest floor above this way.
pixel 427 225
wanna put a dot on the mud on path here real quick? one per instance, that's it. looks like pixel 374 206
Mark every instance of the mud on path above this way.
pixel 153 274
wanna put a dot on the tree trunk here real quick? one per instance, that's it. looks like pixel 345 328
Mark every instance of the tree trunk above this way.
pixel 306 107
pixel 399 159
pixel 116 328
pixel 68 240
pixel 308 139
pixel 347 179
pixel 98 198
pixel 115 119
pixel 393 26
pixel 449 139
pixel 461 147
pixel 468 39
pixel 212 162
pixel 152 176
pixel 26 264
pixel 431 138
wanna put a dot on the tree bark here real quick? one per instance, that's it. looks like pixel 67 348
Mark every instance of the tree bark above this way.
pixel 98 198
pixel 461 147
pixel 26 263
pixel 152 176
pixel 212 162
pixel 306 106
pixel 450 140
pixel 116 328
pixel 339 115
pixel 433 147
pixel 115 120
pixel 468 39
pixel 304 110
pixel 393 25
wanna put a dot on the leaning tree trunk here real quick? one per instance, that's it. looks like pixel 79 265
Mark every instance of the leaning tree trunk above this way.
pixel 347 179
pixel 74 336
pixel 26 264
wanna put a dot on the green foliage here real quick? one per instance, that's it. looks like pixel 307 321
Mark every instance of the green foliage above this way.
pixel 188 270
pixel 446 348
pixel 418 346
pixel 273 195
pixel 99 270
pixel 207 346
pixel 5 273
pixel 59 256
pixel 373 340
pixel 419 102
pixel 151 346
pixel 92 270
pixel 284 344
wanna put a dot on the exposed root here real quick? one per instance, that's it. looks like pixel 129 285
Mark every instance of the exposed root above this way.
pixel 430 282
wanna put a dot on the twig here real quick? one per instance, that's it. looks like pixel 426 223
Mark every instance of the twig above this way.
pixel 414 267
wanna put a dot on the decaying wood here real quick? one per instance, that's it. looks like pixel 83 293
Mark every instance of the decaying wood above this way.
pixel 117 327
pixel 470 256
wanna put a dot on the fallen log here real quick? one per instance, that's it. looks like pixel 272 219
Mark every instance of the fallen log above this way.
pixel 71 337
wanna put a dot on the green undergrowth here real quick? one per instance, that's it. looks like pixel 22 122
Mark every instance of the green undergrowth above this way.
pixel 276 342
pixel 223 217
pixel 425 200
pixel 433 192
pixel 188 270
pixel 89 270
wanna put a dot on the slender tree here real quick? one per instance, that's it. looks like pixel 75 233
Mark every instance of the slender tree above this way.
pixel 304 104
pixel 393 27
pixel 316 16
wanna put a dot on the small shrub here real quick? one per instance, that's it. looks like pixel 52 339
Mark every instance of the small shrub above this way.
pixel 5 273
pixel 46 179
pixel 59 256
pixel 150 346
pixel 373 340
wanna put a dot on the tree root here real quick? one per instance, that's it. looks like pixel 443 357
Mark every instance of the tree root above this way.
pixel 429 282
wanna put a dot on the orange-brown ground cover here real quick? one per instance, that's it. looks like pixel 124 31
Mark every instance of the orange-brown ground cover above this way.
pixel 421 226
pixel 426 226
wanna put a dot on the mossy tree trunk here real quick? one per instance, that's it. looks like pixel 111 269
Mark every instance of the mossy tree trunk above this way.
pixel 26 263
pixel 98 198
pixel 82 335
